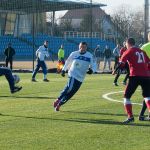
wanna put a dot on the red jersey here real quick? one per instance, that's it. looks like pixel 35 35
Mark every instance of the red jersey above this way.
pixel 138 62
pixel 122 50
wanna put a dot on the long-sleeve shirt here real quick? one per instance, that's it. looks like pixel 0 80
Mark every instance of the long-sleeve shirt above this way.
pixel 42 52
pixel 77 65
pixel 107 53
pixel 61 54
pixel 9 52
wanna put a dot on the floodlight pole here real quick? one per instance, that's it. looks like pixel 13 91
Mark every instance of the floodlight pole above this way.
pixel 91 22
pixel 146 19
pixel 53 22
pixel 33 42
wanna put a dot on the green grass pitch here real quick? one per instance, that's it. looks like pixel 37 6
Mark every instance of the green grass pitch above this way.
pixel 86 122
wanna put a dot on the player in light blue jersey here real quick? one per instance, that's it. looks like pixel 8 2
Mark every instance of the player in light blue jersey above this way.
pixel 78 64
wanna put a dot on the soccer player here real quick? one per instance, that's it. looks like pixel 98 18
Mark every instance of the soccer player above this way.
pixel 139 75
pixel 8 74
pixel 146 48
pixel 126 68
pixel 80 62
pixel 41 53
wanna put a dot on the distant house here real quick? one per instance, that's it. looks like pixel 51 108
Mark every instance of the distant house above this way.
pixel 108 28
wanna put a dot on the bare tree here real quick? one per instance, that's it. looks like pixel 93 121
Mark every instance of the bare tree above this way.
pixel 89 23
pixel 66 24
pixel 128 22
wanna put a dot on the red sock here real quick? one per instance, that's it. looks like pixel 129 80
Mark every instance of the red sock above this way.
pixel 128 109
pixel 148 104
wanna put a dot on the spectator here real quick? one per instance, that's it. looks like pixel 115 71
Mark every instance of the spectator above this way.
pixel 97 55
pixel 116 53
pixel 9 53
pixel 107 57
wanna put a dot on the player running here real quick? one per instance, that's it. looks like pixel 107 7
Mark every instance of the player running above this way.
pixel 126 68
pixel 139 75
pixel 80 62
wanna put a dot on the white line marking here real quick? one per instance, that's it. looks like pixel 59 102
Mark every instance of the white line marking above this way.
pixel 106 96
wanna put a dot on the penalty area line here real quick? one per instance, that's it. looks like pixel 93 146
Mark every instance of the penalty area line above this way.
pixel 107 97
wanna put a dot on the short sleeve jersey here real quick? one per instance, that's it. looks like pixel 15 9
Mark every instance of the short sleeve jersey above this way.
pixel 137 60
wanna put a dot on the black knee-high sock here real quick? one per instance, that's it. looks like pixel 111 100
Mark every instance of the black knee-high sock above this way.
pixel 143 108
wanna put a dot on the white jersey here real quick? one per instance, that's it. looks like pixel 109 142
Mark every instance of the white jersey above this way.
pixel 42 52
pixel 77 65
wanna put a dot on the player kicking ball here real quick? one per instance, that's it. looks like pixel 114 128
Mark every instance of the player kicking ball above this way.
pixel 79 61
pixel 9 76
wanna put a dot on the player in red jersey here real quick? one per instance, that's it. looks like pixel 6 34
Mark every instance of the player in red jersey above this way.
pixel 139 65
pixel 126 68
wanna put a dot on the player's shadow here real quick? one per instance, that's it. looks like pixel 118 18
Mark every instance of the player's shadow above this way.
pixel 27 97
pixel 104 121
pixel 95 113
pixel 78 120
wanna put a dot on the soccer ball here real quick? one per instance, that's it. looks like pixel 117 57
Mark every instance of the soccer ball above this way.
pixel 16 78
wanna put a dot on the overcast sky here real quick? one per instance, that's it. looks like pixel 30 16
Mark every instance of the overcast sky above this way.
pixel 112 4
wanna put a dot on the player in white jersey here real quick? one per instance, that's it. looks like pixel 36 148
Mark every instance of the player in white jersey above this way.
pixel 78 64
pixel 41 53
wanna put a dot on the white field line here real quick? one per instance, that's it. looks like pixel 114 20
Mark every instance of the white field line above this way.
pixel 106 96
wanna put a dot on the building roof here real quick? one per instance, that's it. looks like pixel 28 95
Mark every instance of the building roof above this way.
pixel 33 6
pixel 80 13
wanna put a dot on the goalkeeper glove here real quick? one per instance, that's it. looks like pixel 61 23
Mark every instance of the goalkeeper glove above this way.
pixel 90 71
pixel 63 73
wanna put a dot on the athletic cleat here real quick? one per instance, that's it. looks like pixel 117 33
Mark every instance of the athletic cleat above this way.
pixel 141 118
pixel 16 89
pixel 147 118
pixel 115 83
pixel 33 80
pixel 56 105
pixel 128 120
pixel 45 80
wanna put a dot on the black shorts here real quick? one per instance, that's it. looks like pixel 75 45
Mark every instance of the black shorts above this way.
pixel 134 82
